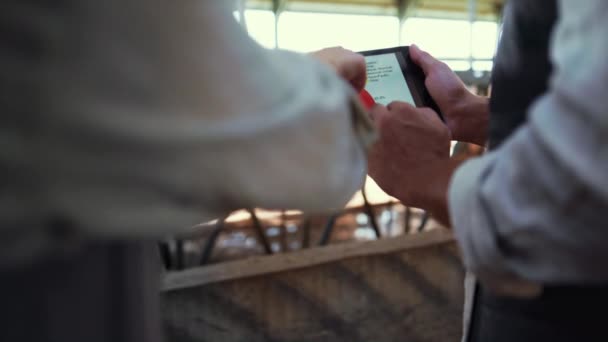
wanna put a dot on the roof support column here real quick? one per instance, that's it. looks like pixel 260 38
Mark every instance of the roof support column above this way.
pixel 402 6
pixel 278 6
pixel 472 19
pixel 241 6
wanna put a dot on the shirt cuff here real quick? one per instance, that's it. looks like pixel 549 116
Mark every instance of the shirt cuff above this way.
pixel 364 128
pixel 471 221
pixel 476 231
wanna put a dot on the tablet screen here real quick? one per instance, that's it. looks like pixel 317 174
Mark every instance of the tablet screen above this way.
pixel 385 80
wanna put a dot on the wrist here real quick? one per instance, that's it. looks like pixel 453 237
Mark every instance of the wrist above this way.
pixel 432 192
pixel 471 120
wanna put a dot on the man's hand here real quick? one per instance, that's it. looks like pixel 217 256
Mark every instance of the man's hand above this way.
pixel 348 64
pixel 466 114
pixel 411 160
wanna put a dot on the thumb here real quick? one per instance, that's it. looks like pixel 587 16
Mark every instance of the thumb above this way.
pixel 424 60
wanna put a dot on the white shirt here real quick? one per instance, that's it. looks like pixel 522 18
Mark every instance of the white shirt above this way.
pixel 535 208
pixel 534 211
pixel 136 118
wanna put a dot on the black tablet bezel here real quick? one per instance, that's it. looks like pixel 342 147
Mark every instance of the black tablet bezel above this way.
pixel 414 76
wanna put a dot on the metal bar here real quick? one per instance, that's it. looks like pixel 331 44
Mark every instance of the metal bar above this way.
pixel 407 216
pixel 389 225
pixel 370 213
pixel 180 258
pixel 260 231
pixel 165 254
pixel 210 243
pixel 306 232
pixel 425 219
pixel 329 228
pixel 283 232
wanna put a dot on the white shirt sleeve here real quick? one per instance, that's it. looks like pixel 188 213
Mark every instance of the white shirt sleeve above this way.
pixel 536 207
pixel 161 114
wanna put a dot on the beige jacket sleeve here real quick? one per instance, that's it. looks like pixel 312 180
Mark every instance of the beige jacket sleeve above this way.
pixel 151 116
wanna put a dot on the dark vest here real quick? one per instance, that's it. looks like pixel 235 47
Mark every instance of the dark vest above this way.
pixel 522 67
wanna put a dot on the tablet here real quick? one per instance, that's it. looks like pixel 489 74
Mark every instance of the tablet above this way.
pixel 393 76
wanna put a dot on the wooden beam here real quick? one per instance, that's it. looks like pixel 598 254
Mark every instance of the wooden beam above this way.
pixel 263 265
pixel 411 294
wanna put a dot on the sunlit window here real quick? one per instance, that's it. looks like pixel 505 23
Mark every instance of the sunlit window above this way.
pixel 483 65
pixel 485 35
pixel 442 38
pixel 305 32
pixel 260 25
pixel 453 41
pixel 458 65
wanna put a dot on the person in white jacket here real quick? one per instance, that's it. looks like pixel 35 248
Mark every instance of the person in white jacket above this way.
pixel 127 120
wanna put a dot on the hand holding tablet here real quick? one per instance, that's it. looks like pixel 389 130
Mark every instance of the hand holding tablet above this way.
pixel 393 76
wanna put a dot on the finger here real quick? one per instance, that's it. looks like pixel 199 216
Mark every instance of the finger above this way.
pixel 432 115
pixel 377 112
pixel 355 71
pixel 424 60
pixel 400 106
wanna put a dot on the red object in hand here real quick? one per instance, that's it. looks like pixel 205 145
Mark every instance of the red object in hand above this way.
pixel 367 99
